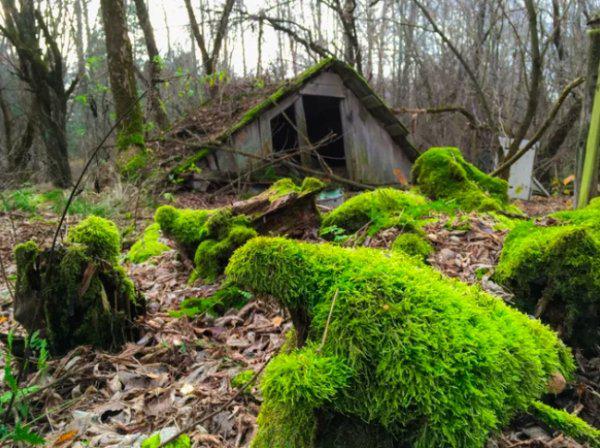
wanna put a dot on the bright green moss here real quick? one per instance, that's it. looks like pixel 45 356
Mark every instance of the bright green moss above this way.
pixel 588 216
pixel 378 209
pixel 212 255
pixel 557 268
pixel 242 378
pixel 183 441
pixel 413 244
pixel 184 226
pixel 432 360
pixel 147 246
pixel 443 173
pixel 567 423
pixel 133 166
pixel 220 302
pixel 285 186
pixel 100 237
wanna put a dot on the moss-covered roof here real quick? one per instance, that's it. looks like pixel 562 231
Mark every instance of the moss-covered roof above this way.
pixel 261 100
pixel 353 81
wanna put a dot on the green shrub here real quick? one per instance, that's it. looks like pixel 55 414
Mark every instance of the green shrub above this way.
pixel 379 209
pixel 567 423
pixel 413 244
pixel 147 246
pixel 559 269
pixel 443 173
pixel 434 361
pixel 100 237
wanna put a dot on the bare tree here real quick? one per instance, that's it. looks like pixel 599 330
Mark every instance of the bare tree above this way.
pixel 210 57
pixel 154 65
pixel 122 75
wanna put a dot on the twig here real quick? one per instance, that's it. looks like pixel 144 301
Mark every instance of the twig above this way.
pixel 540 132
pixel 324 339
pixel 220 408
pixel 5 279
pixel 89 163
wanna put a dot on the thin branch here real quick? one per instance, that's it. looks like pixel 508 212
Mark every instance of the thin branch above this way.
pixel 543 128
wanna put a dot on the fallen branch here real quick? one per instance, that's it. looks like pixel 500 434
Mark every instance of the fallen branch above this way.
pixel 543 128
pixel 441 110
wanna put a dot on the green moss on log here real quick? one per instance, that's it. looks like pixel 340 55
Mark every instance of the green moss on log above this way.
pixel 554 272
pixel 569 424
pixel 100 238
pixel 378 209
pixel 432 360
pixel 414 245
pixel 443 173
pixel 184 226
pixel 147 246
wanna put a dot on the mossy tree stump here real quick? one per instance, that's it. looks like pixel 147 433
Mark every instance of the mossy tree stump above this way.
pixel 77 294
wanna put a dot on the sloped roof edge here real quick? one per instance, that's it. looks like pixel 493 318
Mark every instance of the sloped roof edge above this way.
pixel 353 81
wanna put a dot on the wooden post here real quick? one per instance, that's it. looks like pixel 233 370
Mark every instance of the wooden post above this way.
pixel 587 154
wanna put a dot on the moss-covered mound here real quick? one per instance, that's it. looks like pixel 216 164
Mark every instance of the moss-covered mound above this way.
pixel 209 237
pixel 99 237
pixel 588 216
pixel 414 245
pixel 443 173
pixel 77 294
pixel 554 273
pixel 147 246
pixel 184 226
pixel 431 360
pixel 378 209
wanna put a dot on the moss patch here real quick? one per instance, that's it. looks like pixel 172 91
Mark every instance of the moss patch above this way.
pixel 100 238
pixel 217 304
pixel 443 173
pixel 567 423
pixel 414 245
pixel 556 271
pixel 147 246
pixel 184 226
pixel 378 209
pixel 432 360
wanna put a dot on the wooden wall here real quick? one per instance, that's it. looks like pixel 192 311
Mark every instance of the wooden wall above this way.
pixel 371 154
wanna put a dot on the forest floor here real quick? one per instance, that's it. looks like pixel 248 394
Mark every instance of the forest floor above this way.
pixel 178 374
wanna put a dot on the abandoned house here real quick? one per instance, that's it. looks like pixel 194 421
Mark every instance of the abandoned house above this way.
pixel 329 117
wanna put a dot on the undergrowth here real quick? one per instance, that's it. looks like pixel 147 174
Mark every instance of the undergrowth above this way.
pixel 434 361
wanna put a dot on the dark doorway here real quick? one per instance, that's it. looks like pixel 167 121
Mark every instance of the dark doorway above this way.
pixel 284 133
pixel 323 118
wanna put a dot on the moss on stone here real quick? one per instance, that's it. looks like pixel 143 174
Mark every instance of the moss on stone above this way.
pixel 432 360
pixel 588 216
pixel 99 236
pixel 443 173
pixel 569 424
pixel 147 246
pixel 378 209
pixel 557 270
pixel 414 245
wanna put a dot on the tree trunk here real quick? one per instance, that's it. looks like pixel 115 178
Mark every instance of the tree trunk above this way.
pixel 122 75
pixel 154 64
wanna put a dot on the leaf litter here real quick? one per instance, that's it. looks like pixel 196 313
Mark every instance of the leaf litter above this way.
pixel 180 370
